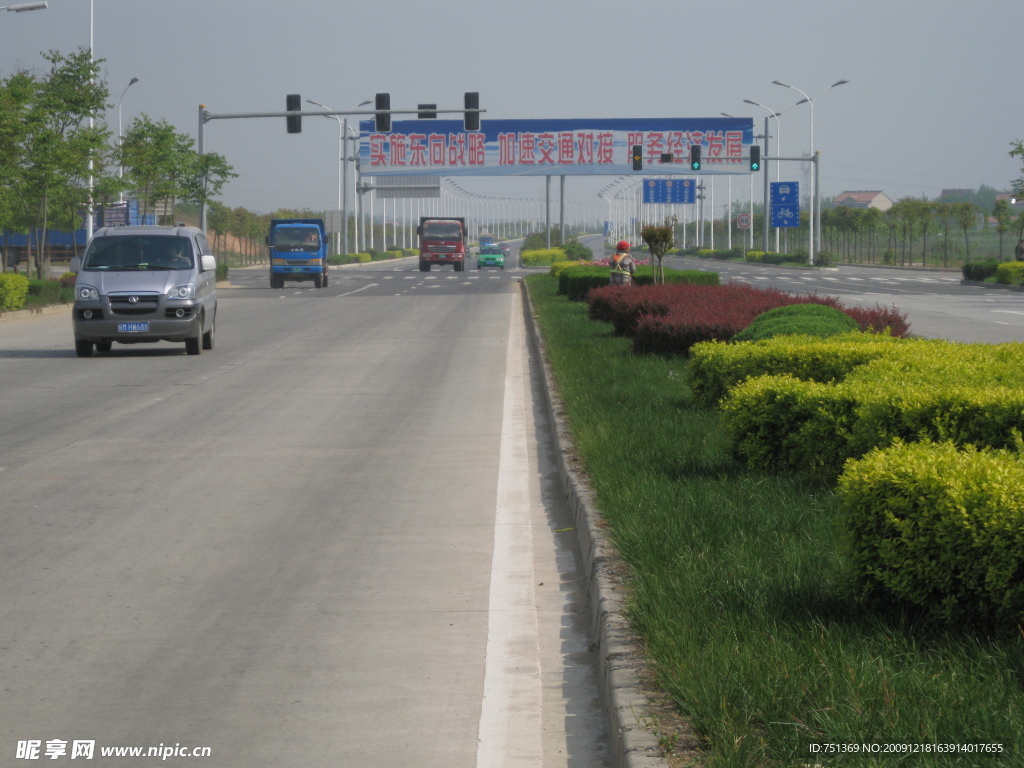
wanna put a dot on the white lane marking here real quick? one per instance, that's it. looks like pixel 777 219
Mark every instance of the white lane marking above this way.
pixel 1008 311
pixel 510 716
pixel 357 290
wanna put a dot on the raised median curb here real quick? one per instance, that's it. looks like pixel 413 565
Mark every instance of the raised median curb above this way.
pixel 624 675
pixel 25 314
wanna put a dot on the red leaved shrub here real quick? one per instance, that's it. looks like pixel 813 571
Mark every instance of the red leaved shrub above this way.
pixel 669 319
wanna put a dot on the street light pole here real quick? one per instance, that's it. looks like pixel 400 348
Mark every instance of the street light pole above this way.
pixel 19 7
pixel 812 219
pixel 120 165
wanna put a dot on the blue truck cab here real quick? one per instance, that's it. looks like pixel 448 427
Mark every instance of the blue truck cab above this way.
pixel 298 251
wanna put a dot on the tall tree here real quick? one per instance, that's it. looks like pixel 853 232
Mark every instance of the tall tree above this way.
pixel 57 145
pixel 162 166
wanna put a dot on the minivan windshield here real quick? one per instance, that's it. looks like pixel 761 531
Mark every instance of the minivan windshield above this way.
pixel 138 252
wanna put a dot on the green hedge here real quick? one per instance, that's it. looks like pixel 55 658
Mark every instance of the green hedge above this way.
pixel 798 319
pixel 939 391
pixel 13 291
pixel 979 270
pixel 940 527
pixel 762 257
pixel 715 366
pixel 1010 273
pixel 542 257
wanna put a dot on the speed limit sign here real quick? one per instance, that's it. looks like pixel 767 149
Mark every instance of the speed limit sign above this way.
pixel 743 221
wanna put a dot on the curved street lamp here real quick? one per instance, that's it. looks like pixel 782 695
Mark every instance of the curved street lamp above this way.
pixel 815 238
pixel 120 165
pixel 19 7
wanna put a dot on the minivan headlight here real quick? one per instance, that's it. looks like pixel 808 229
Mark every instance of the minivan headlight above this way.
pixel 183 291
pixel 86 292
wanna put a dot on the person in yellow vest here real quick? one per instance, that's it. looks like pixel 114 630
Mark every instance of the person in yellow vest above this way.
pixel 622 265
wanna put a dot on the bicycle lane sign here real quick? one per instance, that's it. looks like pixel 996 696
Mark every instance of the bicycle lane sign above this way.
pixel 785 201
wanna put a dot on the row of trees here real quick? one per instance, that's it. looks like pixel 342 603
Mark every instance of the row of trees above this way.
pixel 54 164
pixel 903 231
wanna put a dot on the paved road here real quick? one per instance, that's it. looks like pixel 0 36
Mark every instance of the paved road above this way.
pixel 336 539
pixel 937 304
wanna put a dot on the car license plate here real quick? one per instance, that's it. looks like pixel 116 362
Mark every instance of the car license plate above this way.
pixel 133 327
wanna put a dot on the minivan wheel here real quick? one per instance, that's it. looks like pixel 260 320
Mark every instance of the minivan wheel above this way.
pixel 83 348
pixel 208 336
pixel 194 344
pixel 104 346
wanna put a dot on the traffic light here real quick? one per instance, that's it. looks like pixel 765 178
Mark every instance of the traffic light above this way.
pixel 695 157
pixel 638 157
pixel 382 120
pixel 471 120
pixel 293 103
pixel 427 111
pixel 755 157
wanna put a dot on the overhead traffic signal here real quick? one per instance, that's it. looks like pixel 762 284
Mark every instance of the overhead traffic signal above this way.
pixel 382 120
pixel 695 157
pixel 638 157
pixel 755 157
pixel 293 103
pixel 471 119
pixel 427 111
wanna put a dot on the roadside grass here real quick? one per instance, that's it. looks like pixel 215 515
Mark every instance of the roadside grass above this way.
pixel 739 585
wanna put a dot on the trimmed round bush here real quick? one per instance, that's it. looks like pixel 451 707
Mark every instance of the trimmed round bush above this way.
pixel 940 527
pixel 798 319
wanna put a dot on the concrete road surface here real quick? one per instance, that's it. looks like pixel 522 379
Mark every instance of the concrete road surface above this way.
pixel 334 540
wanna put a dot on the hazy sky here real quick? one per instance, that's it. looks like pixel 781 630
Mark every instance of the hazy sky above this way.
pixel 935 94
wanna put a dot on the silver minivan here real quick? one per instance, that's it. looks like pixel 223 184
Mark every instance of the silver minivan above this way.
pixel 143 284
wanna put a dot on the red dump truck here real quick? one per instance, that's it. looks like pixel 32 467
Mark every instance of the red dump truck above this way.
pixel 442 241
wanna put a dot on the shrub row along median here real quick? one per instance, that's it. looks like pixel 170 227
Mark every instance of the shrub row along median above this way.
pixel 740 581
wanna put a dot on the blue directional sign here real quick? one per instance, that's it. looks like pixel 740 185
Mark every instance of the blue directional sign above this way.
pixel 670 191
pixel 785 203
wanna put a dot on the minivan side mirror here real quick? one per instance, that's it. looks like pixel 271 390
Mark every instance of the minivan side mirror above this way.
pixel 208 262
pixel 75 265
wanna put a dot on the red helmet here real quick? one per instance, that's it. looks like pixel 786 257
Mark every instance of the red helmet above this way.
pixel 623 245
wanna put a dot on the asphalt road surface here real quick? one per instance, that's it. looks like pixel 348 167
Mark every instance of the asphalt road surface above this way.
pixel 336 539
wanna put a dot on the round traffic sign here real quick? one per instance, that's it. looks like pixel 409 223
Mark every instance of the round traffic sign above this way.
pixel 743 221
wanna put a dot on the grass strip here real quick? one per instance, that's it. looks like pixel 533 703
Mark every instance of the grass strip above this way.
pixel 739 586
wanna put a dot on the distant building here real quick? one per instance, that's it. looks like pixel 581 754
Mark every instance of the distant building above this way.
pixel 878 200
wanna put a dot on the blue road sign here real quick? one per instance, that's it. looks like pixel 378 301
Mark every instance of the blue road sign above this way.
pixel 785 192
pixel 670 191
pixel 785 203
pixel 785 215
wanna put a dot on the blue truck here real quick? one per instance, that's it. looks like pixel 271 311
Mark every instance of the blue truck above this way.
pixel 298 251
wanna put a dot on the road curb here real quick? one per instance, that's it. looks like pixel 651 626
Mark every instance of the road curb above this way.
pixel 26 314
pixel 622 663
pixel 1000 286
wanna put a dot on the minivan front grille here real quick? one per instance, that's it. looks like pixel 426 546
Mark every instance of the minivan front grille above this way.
pixel 134 304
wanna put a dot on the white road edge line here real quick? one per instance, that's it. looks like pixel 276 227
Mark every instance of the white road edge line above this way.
pixel 510 715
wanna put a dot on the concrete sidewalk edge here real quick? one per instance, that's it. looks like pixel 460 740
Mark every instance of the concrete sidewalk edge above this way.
pixel 622 661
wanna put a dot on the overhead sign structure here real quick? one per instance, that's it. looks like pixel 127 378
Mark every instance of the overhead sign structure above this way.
pixel 585 147
pixel 785 203
pixel 670 191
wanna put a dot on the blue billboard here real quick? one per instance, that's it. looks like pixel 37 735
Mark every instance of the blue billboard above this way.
pixel 585 147
pixel 670 191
